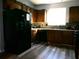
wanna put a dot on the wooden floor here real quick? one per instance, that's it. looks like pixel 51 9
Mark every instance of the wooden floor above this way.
pixel 47 52
pixel 8 56
pixel 43 51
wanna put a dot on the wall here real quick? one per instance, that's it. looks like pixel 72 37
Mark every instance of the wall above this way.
pixel 1 29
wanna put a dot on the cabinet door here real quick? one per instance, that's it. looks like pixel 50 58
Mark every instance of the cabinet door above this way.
pixel 51 37
pixel 38 15
pixel 12 5
pixel 68 37
pixel 55 37
pixel 34 16
pixel 60 37
pixel 33 34
pixel 74 14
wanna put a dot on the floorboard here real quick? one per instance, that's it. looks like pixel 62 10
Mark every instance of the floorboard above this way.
pixel 49 52
pixel 42 51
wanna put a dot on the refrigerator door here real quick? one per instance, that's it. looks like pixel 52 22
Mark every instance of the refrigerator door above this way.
pixel 17 31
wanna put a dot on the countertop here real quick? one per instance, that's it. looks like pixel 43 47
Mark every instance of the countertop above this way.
pixel 53 29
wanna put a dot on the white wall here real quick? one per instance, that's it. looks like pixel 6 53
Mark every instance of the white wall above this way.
pixel 1 29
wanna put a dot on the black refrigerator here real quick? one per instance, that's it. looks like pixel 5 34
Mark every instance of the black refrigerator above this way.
pixel 17 31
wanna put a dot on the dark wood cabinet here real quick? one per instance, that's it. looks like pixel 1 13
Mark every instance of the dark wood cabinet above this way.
pixel 60 37
pixel 33 34
pixel 39 36
pixel 42 35
pixel 34 16
pixel 13 4
pixel 74 14
pixel 38 15
pixel 68 37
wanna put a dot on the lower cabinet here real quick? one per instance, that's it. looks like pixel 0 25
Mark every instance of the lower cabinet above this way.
pixel 39 36
pixel 42 35
pixel 33 34
pixel 60 37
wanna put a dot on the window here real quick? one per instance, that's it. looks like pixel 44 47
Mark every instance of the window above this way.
pixel 56 16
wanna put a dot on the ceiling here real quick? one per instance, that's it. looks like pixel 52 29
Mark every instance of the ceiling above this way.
pixel 37 2
pixel 45 4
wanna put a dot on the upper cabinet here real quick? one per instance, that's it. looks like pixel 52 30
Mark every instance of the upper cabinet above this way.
pixel 13 4
pixel 38 15
pixel 26 8
pixel 74 14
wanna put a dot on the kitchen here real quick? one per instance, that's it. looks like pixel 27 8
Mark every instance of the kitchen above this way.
pixel 53 35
